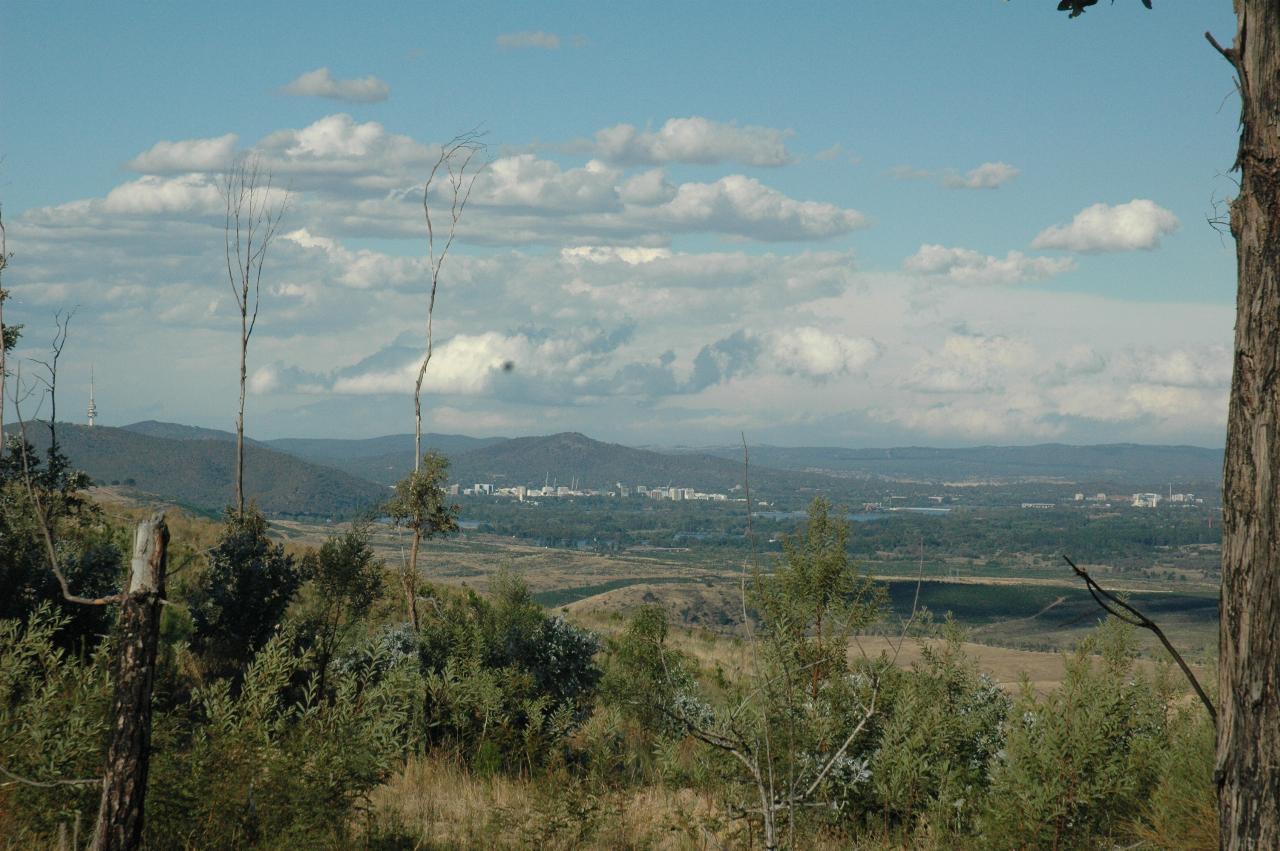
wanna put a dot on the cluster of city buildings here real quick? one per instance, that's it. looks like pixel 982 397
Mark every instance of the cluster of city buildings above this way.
pixel 620 491
pixel 1137 500
pixel 1152 500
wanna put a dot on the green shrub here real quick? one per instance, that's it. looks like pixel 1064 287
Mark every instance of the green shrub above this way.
pixel 53 711
pixel 504 683
pixel 1182 811
pixel 1083 760
pixel 270 765
pixel 89 552
pixel 241 597
pixel 941 725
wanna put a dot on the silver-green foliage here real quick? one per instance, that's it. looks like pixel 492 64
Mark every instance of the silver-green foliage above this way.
pixel 504 683
pixel 52 723
pixel 941 725
pixel 278 764
pixel 1080 763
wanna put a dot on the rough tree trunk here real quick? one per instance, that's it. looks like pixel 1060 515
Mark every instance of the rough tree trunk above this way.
pixel 124 782
pixel 1248 766
pixel 411 581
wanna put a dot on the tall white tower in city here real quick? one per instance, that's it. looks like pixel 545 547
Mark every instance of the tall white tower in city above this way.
pixel 93 407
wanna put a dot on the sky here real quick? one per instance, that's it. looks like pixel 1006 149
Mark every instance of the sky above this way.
pixel 854 224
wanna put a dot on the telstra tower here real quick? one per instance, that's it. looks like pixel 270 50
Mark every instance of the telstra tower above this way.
pixel 93 407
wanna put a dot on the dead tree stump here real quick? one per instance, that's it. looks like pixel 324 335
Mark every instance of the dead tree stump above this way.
pixel 124 781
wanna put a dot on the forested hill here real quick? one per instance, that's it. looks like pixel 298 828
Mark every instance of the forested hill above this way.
pixel 1127 463
pixel 564 458
pixel 177 431
pixel 198 472
pixel 557 459
pixel 380 459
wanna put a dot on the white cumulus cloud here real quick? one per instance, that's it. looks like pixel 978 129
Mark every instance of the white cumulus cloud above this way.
pixel 1138 224
pixel 187 155
pixel 528 182
pixel 972 363
pixel 320 83
pixel 985 176
pixel 151 195
pixel 818 354
pixel 693 140
pixel 739 204
pixel 966 266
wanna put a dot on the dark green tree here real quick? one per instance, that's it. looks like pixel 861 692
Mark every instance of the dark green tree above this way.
pixel 87 549
pixel 242 596
pixel 345 581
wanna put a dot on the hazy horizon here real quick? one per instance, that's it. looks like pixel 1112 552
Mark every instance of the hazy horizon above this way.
pixel 249 434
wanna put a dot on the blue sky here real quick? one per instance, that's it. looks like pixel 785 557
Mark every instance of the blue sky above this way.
pixel 858 223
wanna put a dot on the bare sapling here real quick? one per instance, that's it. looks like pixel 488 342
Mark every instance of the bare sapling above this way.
pixel 254 209
pixel 458 168
pixel 458 165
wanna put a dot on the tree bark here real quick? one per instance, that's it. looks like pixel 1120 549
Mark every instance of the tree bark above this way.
pixel 1248 764
pixel 411 581
pixel 124 782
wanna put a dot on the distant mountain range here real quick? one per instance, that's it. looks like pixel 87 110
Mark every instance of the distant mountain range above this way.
pixel 1120 462
pixel 563 459
pixel 336 478
pixel 385 460
pixel 571 457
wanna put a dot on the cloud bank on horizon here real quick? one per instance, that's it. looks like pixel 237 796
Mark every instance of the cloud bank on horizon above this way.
pixel 649 282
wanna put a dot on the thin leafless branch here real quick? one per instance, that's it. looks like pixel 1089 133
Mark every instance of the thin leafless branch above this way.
pixel 15 779
pixel 4 356
pixel 62 321
pixel 252 220
pixel 455 158
pixel 1121 610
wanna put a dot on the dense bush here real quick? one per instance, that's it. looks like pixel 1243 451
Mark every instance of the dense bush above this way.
pixel 1084 759
pixel 344 580
pixel 504 682
pixel 52 722
pixel 242 596
pixel 941 725
pixel 89 551
pixel 274 765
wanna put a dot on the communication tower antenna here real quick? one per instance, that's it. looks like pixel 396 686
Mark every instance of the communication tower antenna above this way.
pixel 93 407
